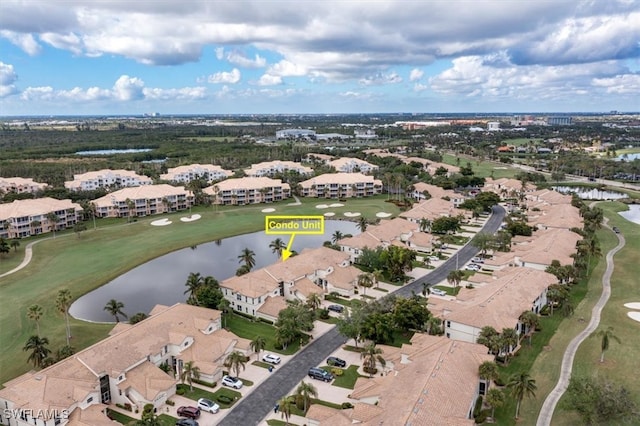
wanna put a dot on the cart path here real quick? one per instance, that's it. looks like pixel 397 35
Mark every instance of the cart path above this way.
pixel 549 405
pixel 28 254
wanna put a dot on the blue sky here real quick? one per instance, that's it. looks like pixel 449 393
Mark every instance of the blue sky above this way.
pixel 330 56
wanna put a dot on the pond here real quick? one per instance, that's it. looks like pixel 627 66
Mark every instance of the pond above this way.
pixel 162 280
pixel 589 193
pixel 113 151
pixel 633 214
pixel 629 157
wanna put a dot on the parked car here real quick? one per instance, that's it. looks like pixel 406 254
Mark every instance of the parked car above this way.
pixel 472 267
pixel 232 382
pixel 320 374
pixel 438 292
pixel 271 358
pixel 336 308
pixel 190 412
pixel 477 260
pixel 616 229
pixel 335 361
pixel 186 422
pixel 208 405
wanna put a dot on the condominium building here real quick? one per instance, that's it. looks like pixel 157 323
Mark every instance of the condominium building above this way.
pixel 352 165
pixel 143 201
pixel 185 174
pixel 271 168
pixel 124 369
pixel 248 190
pixel 341 185
pixel 106 179
pixel 24 218
pixel 20 185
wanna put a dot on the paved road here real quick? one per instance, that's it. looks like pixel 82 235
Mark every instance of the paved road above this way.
pixel 549 405
pixel 252 409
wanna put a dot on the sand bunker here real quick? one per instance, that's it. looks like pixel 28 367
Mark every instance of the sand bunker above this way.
pixel 268 210
pixel 329 214
pixel 632 305
pixel 383 214
pixel 190 218
pixel 161 222
pixel 634 316
pixel 336 205
pixel 352 214
pixel 322 206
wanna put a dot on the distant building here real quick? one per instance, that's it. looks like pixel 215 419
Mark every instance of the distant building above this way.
pixel 365 134
pixel 143 200
pixel 105 179
pixel 341 185
pixel 24 218
pixel 295 134
pixel 271 168
pixel 352 165
pixel 248 190
pixel 493 126
pixel 185 174
pixel 20 185
pixel 559 121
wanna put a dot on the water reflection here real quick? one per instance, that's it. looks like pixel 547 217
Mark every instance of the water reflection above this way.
pixel 162 280
pixel 633 214
pixel 588 193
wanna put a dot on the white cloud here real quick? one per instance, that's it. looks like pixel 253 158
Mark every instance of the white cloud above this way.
pixel 380 78
pixel 8 77
pixel 620 84
pixel 418 87
pixel 242 61
pixel 25 42
pixel 231 77
pixel 128 88
pixel 269 80
pixel 416 74
pixel 286 68
pixel 69 41
pixel 219 53
pixel 184 93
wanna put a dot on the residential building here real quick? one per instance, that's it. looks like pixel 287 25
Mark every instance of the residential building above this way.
pixel 106 179
pixel 388 232
pixel 124 368
pixel 248 190
pixel 20 185
pixel 295 134
pixel 563 216
pixel 493 126
pixel 432 167
pixel 262 293
pixel 185 174
pixel 320 158
pixel 432 209
pixel 365 134
pixel 421 189
pixel 341 185
pixel 352 165
pixel 559 120
pixel 143 201
pixel 498 302
pixel 426 374
pixel 24 218
pixel 507 187
pixel 271 168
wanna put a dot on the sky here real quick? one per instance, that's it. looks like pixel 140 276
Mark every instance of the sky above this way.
pixel 85 57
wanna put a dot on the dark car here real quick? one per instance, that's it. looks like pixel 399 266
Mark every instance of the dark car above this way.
pixel 336 308
pixel 616 229
pixel 320 374
pixel 335 361
pixel 186 422
pixel 190 412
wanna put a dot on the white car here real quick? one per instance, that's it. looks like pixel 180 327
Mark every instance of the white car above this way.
pixel 433 258
pixel 208 405
pixel 232 382
pixel 477 260
pixel 472 267
pixel 438 292
pixel 271 359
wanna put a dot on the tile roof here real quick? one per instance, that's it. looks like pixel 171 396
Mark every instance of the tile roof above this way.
pixel 254 284
pixel 433 208
pixel 385 232
pixel 90 416
pixel 556 216
pixel 273 305
pixel 340 178
pixel 198 169
pixel 148 380
pixel 144 192
pixel 35 207
pixel 246 183
pixel 278 165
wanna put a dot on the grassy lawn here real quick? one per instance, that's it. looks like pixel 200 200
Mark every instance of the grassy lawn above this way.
pixel 348 378
pixel 198 393
pixel 244 327
pixel 99 256
pixel 484 168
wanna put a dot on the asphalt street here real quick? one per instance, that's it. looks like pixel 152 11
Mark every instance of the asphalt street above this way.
pixel 255 406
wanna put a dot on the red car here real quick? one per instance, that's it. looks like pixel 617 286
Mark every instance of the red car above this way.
pixel 190 412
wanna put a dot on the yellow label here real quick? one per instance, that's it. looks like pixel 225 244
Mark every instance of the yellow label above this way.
pixel 288 225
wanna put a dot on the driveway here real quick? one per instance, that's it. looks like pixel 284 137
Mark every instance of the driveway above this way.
pixel 252 409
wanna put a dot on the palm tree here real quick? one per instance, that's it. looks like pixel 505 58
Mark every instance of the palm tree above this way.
pixel 34 313
pixel 362 224
pixel 425 225
pixel 224 306
pixel 606 335
pixel 194 282
pixel 508 340
pixel 488 371
pixel 365 281
pixel 306 391
pixel 189 372
pixel 494 398
pixel 314 301
pixel 286 405
pixel 258 344
pixel 53 222
pixel 115 308
pixel 277 246
pixel 337 236
pixel 455 277
pixel 377 276
pixel 234 361
pixel 38 348
pixel 248 257
pixel 531 321
pixel 15 243
pixel 434 325
pixel 371 356
pixel 63 302
pixel 482 241
pixel 521 385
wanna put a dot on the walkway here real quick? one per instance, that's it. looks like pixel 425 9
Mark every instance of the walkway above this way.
pixel 546 412
pixel 28 253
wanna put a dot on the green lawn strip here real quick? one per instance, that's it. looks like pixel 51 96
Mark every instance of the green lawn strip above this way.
pixel 10 260
pixel 119 417
pixel 484 169
pixel 245 328
pixel 274 422
pixel 198 393
pixel 348 378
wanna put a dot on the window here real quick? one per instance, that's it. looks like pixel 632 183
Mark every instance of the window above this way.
pixel 89 400
pixel 239 296
pixel 448 324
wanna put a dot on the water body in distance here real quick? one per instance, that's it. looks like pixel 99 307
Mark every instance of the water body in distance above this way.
pixel 633 214
pixel 113 151
pixel 162 280
pixel 588 193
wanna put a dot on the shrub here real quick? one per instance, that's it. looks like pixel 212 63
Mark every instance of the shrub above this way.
pixel 346 405
pixel 370 370
pixel 180 391
pixel 127 406
pixel 337 372
pixel 148 408
pixel 224 399
pixel 323 313
pixel 481 417
pixel 170 403
pixel 265 321
pixel 204 383
pixel 478 407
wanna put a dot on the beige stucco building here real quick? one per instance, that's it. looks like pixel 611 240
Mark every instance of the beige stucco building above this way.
pixel 20 185
pixel 106 178
pixel 24 218
pixel 143 201
pixel 341 185
pixel 248 190
pixel 187 173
